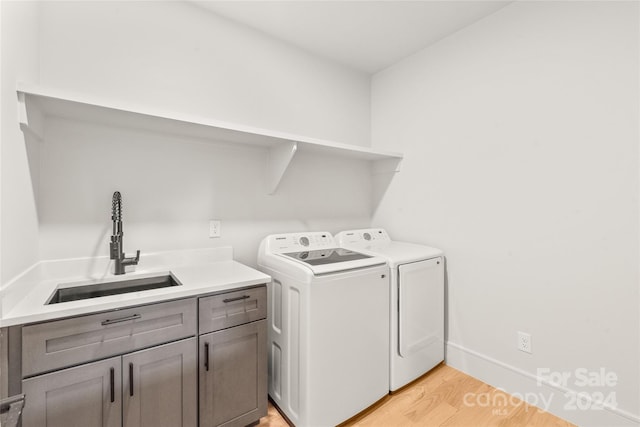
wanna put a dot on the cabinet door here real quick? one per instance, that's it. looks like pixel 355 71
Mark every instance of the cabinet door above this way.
pixel 84 396
pixel 159 386
pixel 233 375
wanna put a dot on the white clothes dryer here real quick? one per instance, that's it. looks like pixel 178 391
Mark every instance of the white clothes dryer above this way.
pixel 416 295
pixel 328 333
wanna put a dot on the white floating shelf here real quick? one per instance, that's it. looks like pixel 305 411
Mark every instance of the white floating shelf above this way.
pixel 37 102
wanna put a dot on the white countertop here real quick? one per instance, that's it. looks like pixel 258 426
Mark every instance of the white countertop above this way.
pixel 200 272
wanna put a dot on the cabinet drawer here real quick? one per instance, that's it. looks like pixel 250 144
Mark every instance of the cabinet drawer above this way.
pixel 61 343
pixel 232 309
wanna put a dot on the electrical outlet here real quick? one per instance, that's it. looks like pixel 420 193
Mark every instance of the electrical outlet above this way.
pixel 214 229
pixel 524 342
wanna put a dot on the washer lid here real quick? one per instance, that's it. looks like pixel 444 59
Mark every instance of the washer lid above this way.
pixel 327 256
pixel 323 261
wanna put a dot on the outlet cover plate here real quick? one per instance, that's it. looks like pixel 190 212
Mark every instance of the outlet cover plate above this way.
pixel 214 228
pixel 524 342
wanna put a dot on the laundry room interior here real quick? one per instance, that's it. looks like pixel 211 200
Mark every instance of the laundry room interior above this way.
pixel 503 133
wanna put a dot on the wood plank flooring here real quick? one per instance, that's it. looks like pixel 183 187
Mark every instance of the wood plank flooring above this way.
pixel 438 400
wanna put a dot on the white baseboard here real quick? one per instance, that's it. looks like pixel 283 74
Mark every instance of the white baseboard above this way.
pixel 554 398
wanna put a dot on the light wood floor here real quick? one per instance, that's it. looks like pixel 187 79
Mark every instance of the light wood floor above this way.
pixel 438 400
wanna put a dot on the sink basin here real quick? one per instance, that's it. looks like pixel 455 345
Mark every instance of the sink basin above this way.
pixel 75 292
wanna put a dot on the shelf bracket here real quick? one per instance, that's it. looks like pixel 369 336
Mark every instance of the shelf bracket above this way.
pixel 383 166
pixel 30 118
pixel 280 157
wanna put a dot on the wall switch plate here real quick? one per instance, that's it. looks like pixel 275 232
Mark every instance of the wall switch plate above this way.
pixel 214 228
pixel 524 342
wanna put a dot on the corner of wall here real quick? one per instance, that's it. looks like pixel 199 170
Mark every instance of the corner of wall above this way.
pixel 19 62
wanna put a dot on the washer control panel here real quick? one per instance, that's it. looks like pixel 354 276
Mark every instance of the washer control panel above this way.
pixel 295 242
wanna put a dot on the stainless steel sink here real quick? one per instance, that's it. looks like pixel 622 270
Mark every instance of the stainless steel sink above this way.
pixel 75 292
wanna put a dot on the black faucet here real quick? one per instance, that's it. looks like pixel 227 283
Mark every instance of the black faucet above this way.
pixel 115 247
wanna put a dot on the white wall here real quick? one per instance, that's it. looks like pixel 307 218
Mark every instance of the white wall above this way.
pixel 175 56
pixel 19 223
pixel 181 57
pixel 520 136
pixel 173 186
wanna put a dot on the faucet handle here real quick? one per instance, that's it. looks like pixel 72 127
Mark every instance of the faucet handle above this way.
pixel 130 260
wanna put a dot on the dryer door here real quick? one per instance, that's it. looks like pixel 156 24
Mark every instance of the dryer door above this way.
pixel 420 305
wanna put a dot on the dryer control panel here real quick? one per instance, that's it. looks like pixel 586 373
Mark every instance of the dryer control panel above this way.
pixel 296 242
pixel 362 237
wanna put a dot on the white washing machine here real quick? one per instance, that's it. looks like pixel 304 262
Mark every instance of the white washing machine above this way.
pixel 416 274
pixel 328 328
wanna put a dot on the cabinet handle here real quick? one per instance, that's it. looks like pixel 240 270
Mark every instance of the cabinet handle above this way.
pixel 122 319
pixel 112 377
pixel 236 298
pixel 130 379
pixel 206 356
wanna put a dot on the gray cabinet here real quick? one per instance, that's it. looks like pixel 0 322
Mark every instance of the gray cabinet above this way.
pixel 233 377
pixel 84 396
pixel 233 358
pixel 149 365
pixel 160 386
pixel 153 387
pixel 91 393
